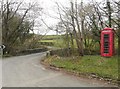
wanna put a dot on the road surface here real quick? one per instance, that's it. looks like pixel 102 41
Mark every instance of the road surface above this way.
pixel 26 71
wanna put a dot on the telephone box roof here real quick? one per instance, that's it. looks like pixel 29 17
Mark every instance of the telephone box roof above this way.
pixel 107 28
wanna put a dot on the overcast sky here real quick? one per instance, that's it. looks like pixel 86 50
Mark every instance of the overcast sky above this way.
pixel 49 7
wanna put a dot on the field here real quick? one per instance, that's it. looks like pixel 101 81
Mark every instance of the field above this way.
pixel 59 41
pixel 51 36
pixel 54 40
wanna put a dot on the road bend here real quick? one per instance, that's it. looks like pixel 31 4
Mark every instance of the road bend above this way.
pixel 26 71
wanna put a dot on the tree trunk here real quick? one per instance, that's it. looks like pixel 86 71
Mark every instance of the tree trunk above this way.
pixel 119 29
pixel 80 38
pixel 74 30
pixel 67 44
pixel 72 42
pixel 119 44
pixel 79 32
pixel 109 12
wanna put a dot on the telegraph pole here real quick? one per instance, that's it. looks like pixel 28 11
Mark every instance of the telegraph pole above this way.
pixel 109 12
pixel 82 28
pixel 119 28
pixel 118 4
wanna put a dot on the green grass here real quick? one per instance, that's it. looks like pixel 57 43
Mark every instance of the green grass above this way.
pixel 56 42
pixel 47 41
pixel 102 67
pixel 59 41
pixel 51 37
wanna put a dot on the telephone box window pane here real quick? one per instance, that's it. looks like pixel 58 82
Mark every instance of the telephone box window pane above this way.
pixel 106 43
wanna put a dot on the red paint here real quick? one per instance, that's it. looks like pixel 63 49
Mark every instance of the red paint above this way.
pixel 107 42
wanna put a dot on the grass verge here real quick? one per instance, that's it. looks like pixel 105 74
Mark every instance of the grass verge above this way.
pixel 106 68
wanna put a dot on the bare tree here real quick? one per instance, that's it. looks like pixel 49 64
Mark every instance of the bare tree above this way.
pixel 80 32
pixel 15 26
pixel 74 30
pixel 118 28
pixel 86 22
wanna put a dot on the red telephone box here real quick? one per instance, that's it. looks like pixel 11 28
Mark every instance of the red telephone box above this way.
pixel 107 42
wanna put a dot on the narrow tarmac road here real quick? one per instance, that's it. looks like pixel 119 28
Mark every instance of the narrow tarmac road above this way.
pixel 26 71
